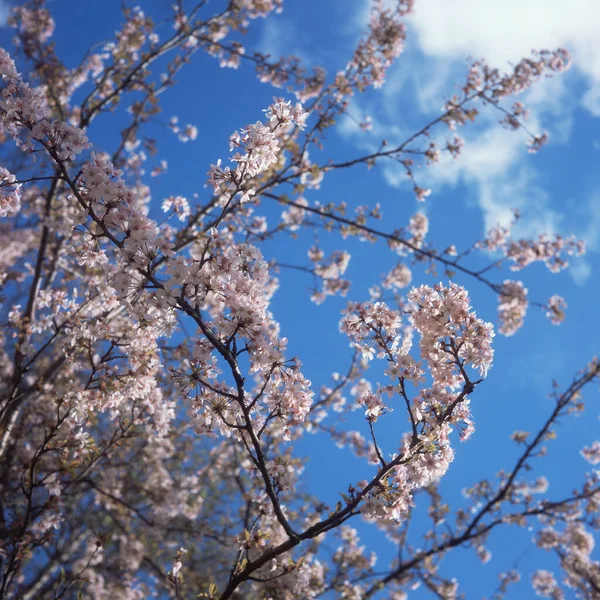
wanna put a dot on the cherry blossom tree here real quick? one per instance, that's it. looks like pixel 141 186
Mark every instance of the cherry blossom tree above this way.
pixel 150 411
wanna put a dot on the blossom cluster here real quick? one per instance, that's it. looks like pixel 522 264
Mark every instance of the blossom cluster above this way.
pixel 258 148
pixel 512 306
pixel 330 271
pixel 544 249
pixel 385 42
pixel 524 252
pixel 556 309
pixel 186 134
pixel 574 546
pixel 10 201
pixel 443 317
pixel 451 338
pixel 24 112
pixel 418 227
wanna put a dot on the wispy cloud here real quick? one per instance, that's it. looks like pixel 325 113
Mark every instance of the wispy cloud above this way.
pixel 580 271
pixel 276 37
pixel 591 234
pixel 506 31
pixel 442 36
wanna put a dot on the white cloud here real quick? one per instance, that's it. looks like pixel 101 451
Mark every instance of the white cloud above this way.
pixel 443 35
pixel 508 30
pixel 591 101
pixel 487 155
pixel 491 166
pixel 591 234
pixel 498 187
pixel 580 271
pixel 498 196
pixel 279 37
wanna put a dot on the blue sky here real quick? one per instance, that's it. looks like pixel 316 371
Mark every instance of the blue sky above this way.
pixel 557 191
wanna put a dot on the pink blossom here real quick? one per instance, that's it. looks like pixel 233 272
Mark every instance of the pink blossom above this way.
pixel 545 585
pixel 556 310
pixel 592 453
pixel 512 307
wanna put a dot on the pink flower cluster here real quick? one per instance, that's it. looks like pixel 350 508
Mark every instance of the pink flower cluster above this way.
pixel 592 453
pixel 544 249
pixel 255 9
pixel 452 338
pixel 231 282
pixel 418 227
pixel 574 546
pixel 10 201
pixel 546 586
pixel 116 205
pixel 330 271
pixel 179 205
pixel 555 309
pixel 446 322
pixel 398 277
pixel 371 327
pixel 523 75
pixel 524 252
pixel 512 306
pixel 258 147
pixel 384 43
pixel 185 134
pixel 294 216
pixel 34 24
pixel 422 468
pixel 23 113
